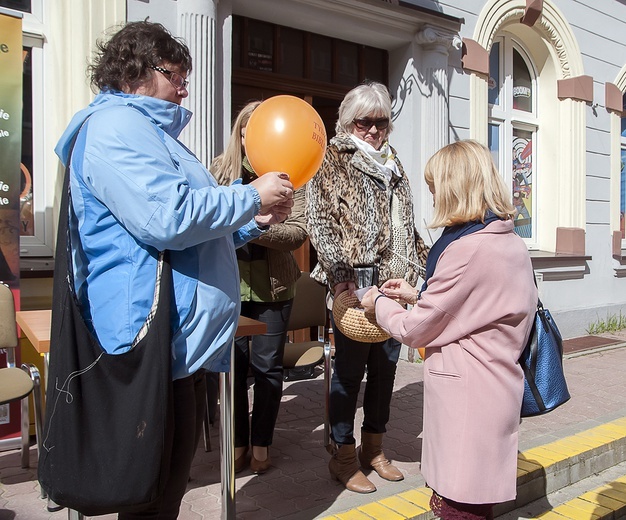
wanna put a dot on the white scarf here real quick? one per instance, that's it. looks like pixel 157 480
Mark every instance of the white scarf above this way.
pixel 383 158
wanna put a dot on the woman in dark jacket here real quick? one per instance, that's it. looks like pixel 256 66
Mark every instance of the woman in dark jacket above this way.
pixel 268 273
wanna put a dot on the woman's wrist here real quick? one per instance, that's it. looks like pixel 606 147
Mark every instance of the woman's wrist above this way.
pixel 381 295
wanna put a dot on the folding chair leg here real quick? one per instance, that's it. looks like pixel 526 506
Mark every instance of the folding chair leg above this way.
pixel 25 428
pixel 33 372
pixel 327 378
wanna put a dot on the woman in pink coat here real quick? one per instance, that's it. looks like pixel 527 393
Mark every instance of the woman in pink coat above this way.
pixel 473 315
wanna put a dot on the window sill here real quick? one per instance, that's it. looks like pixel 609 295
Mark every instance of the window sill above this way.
pixel 620 270
pixel 559 266
pixel 36 267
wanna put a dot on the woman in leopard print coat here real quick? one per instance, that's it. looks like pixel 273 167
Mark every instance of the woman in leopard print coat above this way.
pixel 360 212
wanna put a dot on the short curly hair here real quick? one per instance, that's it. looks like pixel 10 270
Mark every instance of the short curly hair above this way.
pixel 125 60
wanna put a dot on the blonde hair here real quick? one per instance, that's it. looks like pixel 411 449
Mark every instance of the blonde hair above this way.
pixel 371 99
pixel 226 167
pixel 465 184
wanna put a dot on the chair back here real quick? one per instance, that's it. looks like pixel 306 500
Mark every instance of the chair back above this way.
pixel 309 304
pixel 8 329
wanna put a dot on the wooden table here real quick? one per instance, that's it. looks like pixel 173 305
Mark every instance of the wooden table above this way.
pixel 36 327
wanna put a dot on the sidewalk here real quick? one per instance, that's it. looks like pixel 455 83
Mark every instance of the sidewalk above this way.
pixel 299 486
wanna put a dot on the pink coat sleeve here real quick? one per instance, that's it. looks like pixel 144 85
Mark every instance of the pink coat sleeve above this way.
pixel 432 321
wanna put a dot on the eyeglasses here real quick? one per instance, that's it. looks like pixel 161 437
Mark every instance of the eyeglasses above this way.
pixel 175 79
pixel 366 124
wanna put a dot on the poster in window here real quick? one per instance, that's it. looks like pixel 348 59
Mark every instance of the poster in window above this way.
pixel 522 84
pixel 10 146
pixel 523 182
pixel 261 46
pixel 27 218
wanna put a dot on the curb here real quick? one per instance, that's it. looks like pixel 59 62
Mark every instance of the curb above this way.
pixel 540 471
pixel 607 502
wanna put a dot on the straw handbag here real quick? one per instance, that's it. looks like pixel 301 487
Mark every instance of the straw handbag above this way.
pixel 353 322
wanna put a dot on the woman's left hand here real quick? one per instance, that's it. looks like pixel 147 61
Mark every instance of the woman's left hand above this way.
pixel 276 214
pixel 369 300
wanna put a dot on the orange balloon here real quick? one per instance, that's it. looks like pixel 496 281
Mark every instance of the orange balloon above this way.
pixel 422 352
pixel 286 134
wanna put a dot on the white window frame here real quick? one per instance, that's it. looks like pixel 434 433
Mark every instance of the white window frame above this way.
pixel 507 118
pixel 38 244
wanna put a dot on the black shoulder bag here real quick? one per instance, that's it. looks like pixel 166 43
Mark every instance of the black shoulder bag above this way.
pixel 105 445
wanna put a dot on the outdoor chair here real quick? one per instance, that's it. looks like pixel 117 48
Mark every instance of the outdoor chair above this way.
pixel 300 358
pixel 18 383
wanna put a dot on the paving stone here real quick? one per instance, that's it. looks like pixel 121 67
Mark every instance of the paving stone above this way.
pixel 299 486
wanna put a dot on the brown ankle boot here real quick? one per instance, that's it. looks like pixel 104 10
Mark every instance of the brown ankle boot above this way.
pixel 343 466
pixel 371 456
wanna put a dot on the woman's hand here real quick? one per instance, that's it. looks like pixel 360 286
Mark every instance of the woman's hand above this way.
pixel 344 286
pixel 276 214
pixel 368 302
pixel 274 188
pixel 400 290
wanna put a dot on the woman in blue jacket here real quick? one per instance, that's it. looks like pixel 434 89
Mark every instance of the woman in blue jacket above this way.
pixel 136 190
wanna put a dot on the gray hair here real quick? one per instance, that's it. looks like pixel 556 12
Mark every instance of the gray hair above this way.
pixel 368 100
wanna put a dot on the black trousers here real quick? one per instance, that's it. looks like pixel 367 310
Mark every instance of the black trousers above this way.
pixel 189 410
pixel 351 360
pixel 263 356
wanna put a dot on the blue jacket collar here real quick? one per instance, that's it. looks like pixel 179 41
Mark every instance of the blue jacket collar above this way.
pixel 172 118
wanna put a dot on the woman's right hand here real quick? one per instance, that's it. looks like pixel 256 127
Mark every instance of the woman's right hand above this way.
pixel 400 290
pixel 274 188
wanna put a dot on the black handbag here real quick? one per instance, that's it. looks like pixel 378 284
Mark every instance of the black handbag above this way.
pixel 106 442
pixel 545 387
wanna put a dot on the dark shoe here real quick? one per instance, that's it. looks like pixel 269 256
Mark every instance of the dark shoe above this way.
pixel 53 507
pixel 343 466
pixel 241 462
pixel 371 456
pixel 260 466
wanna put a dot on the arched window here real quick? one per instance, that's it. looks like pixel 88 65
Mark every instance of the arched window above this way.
pixel 553 161
pixel 513 127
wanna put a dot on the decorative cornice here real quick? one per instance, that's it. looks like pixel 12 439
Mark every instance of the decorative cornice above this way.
pixel 512 16
pixel 552 34
pixel 431 36
pixel 546 25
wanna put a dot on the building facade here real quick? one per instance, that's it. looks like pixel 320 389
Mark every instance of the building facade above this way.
pixel 540 82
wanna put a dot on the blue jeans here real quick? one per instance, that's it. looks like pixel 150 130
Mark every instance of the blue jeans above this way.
pixel 351 360
pixel 263 356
